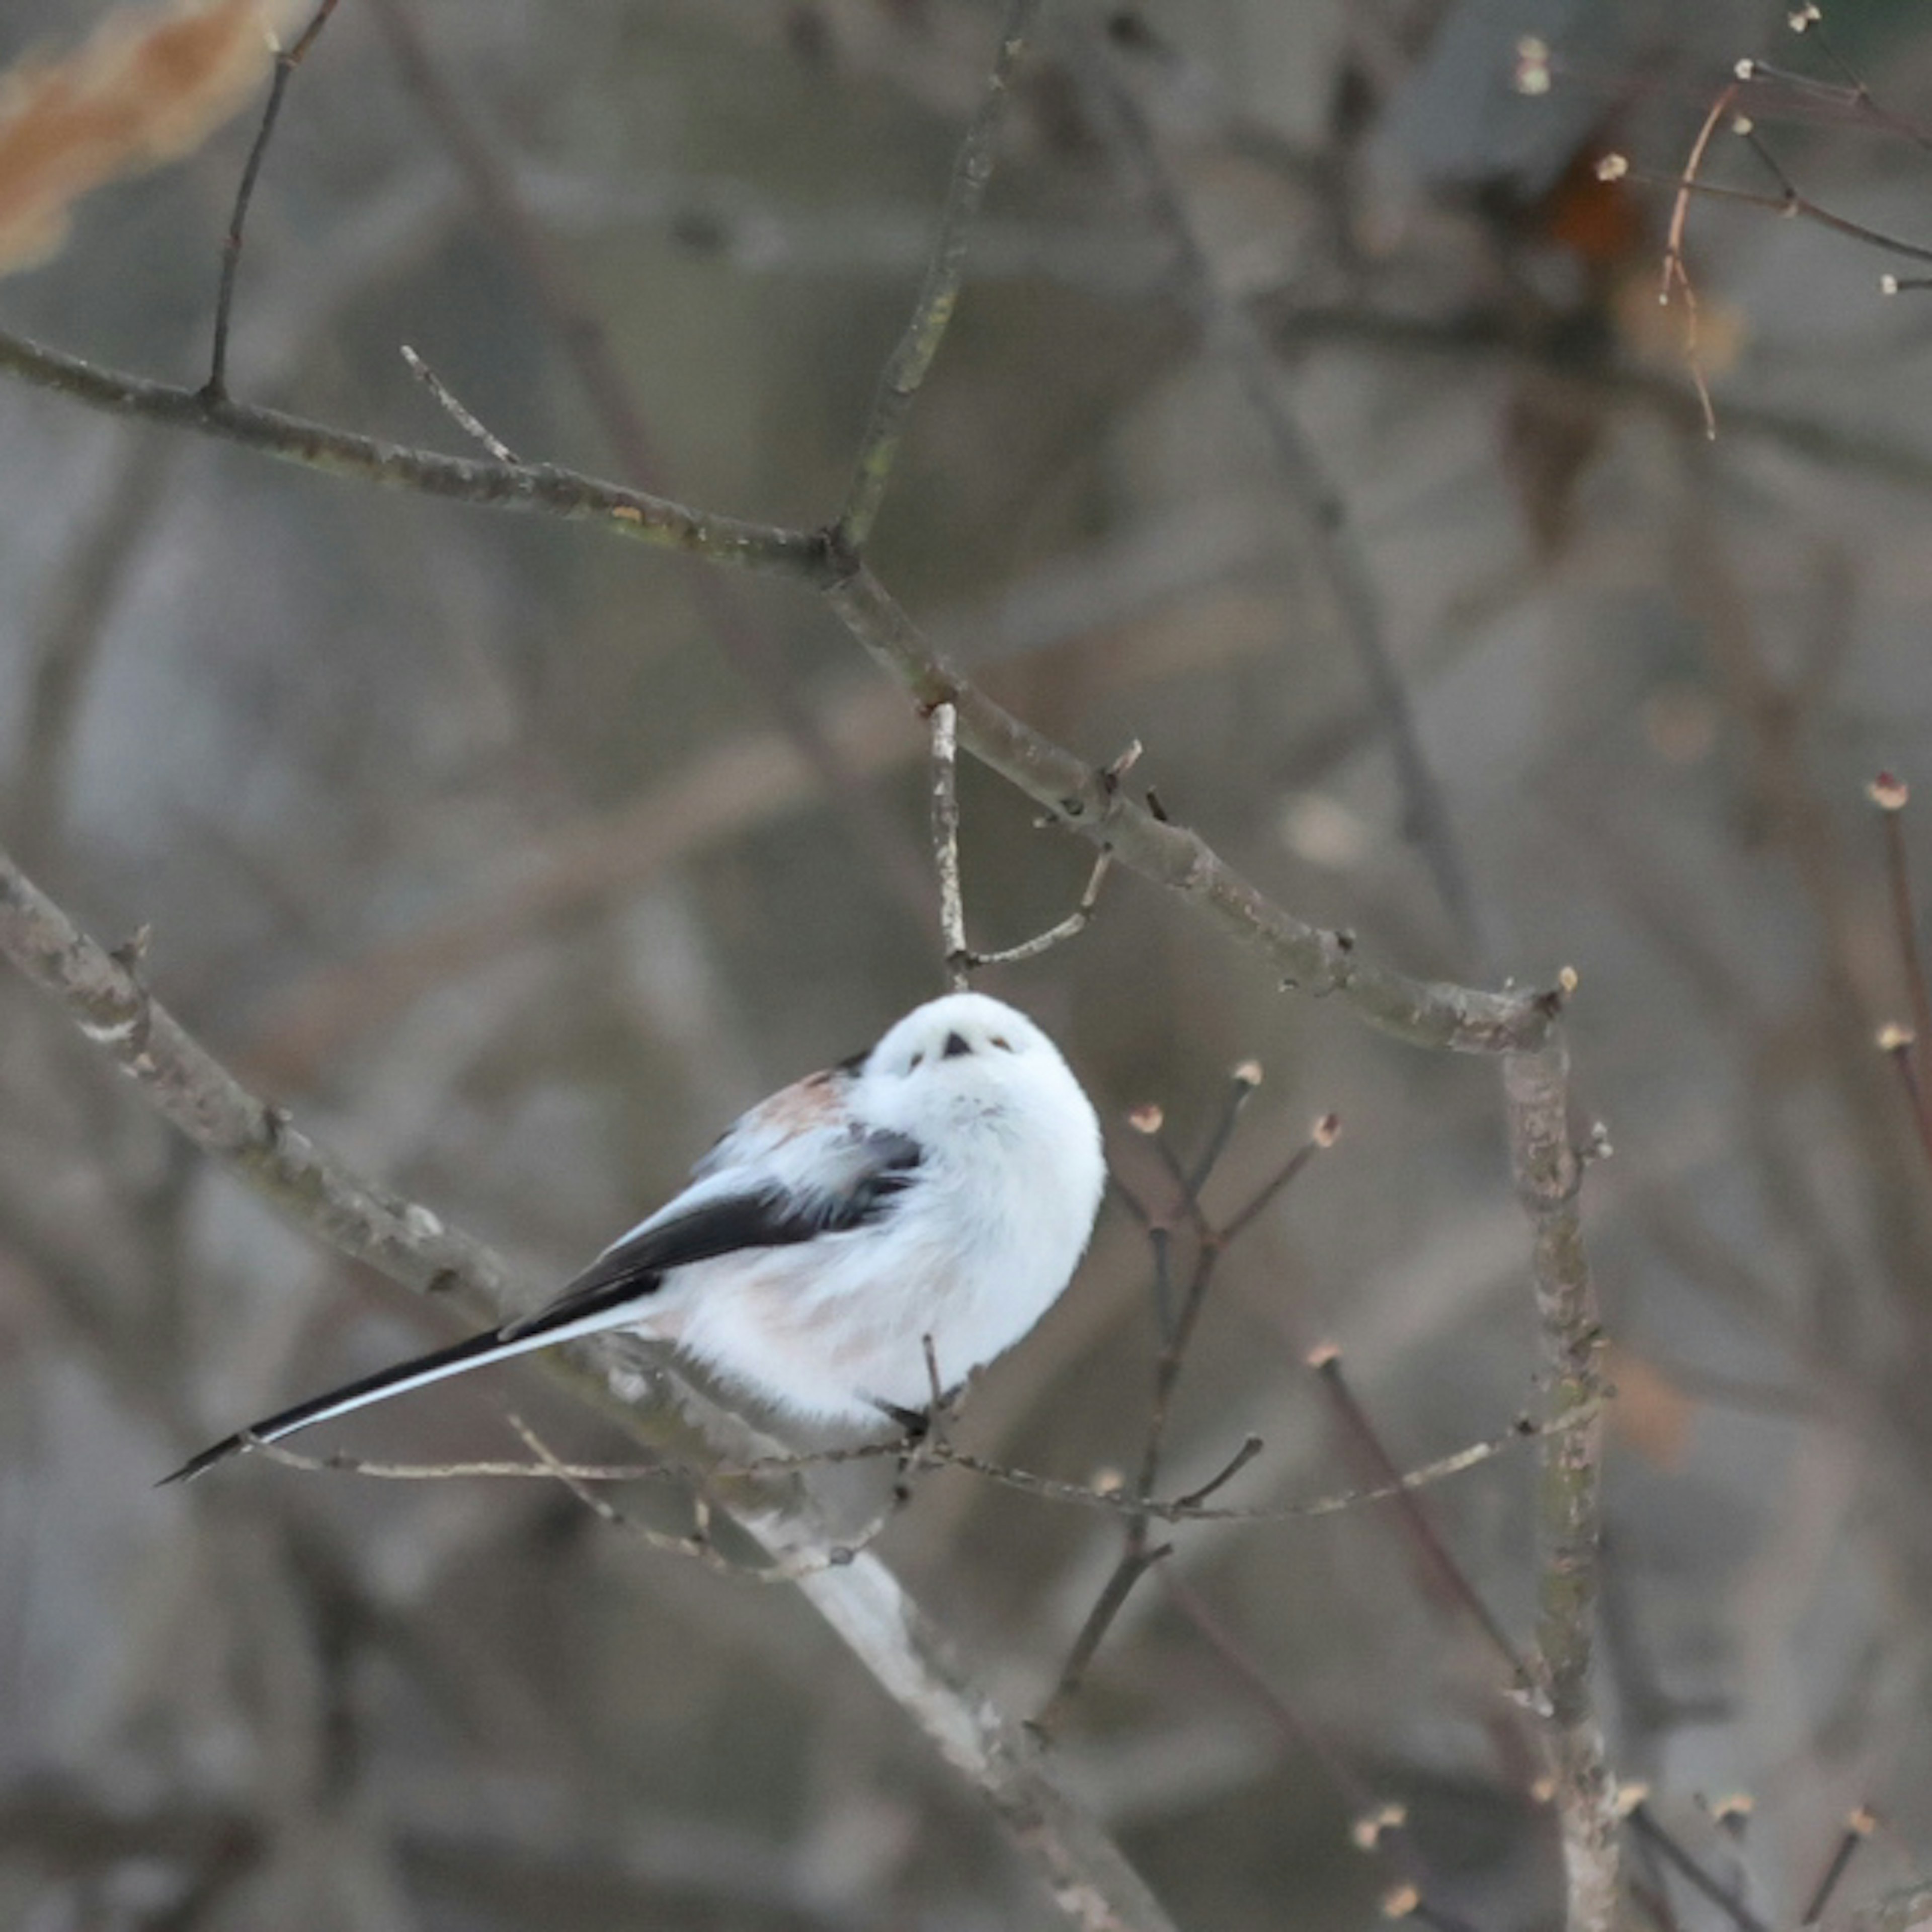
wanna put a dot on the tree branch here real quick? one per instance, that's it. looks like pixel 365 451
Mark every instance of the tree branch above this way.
pixel 1424 1012
pixel 1549 1172
pixel 323 1196
pixel 106 998
pixel 498 486
pixel 955 956
pixel 287 59
pixel 1081 799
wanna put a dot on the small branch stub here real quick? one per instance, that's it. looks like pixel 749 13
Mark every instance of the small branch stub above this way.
pixel 1532 76
pixel 1366 1833
pixel 958 958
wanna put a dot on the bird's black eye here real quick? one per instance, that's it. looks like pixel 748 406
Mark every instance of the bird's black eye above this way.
pixel 956 1045
pixel 916 1059
pixel 1004 1046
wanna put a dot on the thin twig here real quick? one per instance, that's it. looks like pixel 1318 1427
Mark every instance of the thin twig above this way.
pixel 1674 1854
pixel 1250 1448
pixel 1438 1564
pixel 1858 1829
pixel 860 1599
pixel 958 959
pixel 697 1547
pixel 1676 276
pixel 584 344
pixel 1326 1132
pixel 1789 202
pixel 1792 202
pixel 1191 1508
pixel 1186 1189
pixel 1435 1014
pixel 286 60
pixel 452 407
pixel 1071 927
pixel 1243 1083
pixel 1896 1043
pixel 1139 1553
pixel 1160 1246
pixel 1854 95
pixel 905 371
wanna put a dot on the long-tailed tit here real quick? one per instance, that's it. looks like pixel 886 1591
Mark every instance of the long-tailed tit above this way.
pixel 943 1186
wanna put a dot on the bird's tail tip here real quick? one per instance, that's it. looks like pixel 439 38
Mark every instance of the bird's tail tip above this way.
pixel 197 1465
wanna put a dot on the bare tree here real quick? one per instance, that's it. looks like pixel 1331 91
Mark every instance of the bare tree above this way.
pixel 479 871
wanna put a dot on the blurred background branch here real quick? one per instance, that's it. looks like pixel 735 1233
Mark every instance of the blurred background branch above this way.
pixel 516 864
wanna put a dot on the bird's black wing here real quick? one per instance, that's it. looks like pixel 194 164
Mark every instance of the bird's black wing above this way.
pixel 728 1223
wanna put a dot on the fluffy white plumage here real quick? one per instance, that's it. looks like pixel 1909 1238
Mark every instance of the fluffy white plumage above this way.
pixel 945 1184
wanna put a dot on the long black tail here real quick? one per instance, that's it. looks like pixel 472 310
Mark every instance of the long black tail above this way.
pixel 494 1345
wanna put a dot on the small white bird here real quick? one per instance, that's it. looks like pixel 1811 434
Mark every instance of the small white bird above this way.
pixel 942 1185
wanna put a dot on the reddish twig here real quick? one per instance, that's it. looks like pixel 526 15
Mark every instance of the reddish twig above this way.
pixel 1439 1567
pixel 1676 276
pixel 1139 1553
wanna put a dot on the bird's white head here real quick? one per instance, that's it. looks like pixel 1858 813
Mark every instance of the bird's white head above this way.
pixel 966 1062
pixel 962 1036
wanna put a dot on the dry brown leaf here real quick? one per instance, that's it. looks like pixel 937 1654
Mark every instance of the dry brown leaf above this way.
pixel 149 85
pixel 1651 1413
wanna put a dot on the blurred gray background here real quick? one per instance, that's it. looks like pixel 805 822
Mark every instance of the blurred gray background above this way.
pixel 480 842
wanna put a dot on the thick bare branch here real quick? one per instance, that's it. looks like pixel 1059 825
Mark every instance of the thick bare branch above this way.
pixel 1094 1886
pixel 500 486
pixel 1549 1172
pixel 104 995
pixel 1424 1012
pixel 1081 799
